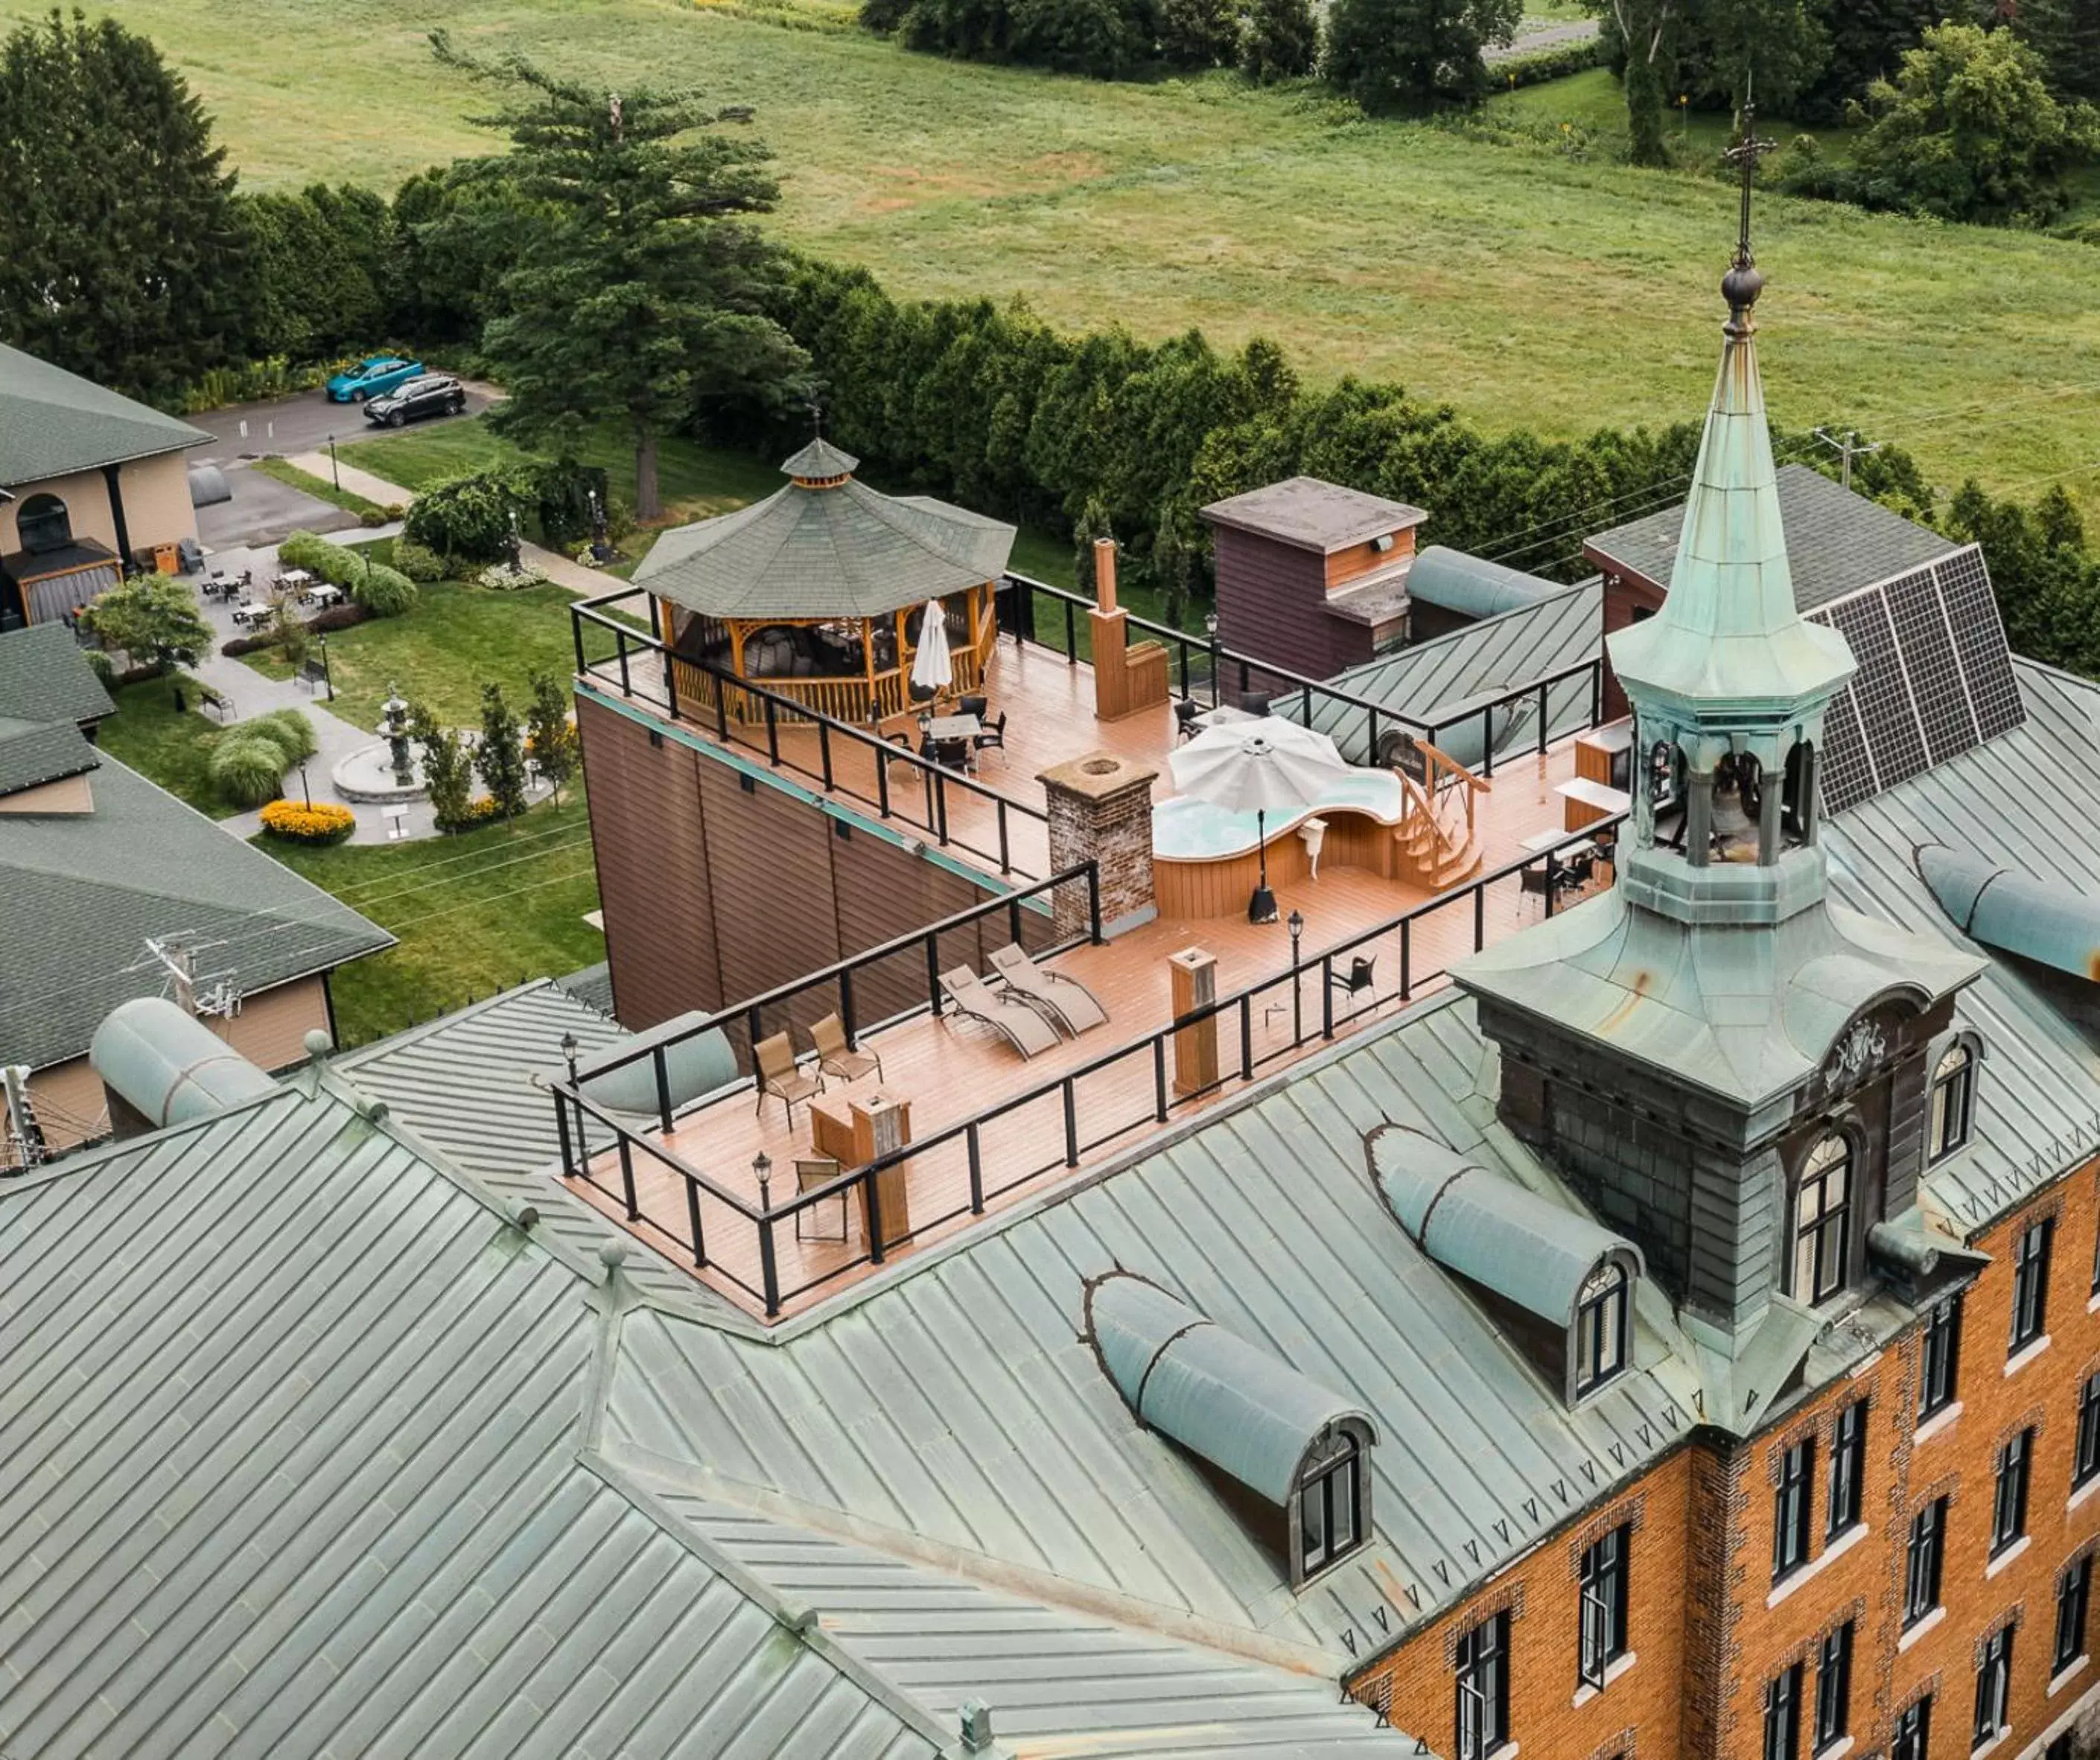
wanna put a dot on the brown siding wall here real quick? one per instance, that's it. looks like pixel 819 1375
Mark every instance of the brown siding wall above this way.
pixel 1271 605
pixel 1625 595
pixel 713 894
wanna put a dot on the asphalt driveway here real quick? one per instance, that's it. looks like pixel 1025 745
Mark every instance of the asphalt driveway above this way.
pixel 301 423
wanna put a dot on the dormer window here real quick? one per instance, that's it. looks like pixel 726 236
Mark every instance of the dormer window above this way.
pixel 1953 1089
pixel 1331 1501
pixel 1823 1220
pixel 1290 1458
pixel 1600 1327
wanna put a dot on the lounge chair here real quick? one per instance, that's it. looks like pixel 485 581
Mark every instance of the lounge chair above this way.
pixel 1065 999
pixel 810 1175
pixel 779 1075
pixel 1005 1012
pixel 835 1056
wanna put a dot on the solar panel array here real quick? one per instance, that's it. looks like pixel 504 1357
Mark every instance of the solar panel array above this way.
pixel 1935 679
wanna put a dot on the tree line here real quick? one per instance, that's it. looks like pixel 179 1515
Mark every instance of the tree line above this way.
pixel 604 268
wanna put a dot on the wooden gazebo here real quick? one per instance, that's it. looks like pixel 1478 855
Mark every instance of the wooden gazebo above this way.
pixel 817 593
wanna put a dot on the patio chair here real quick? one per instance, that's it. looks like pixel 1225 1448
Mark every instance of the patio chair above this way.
pixel 994 734
pixel 1361 976
pixel 779 1076
pixel 1005 1012
pixel 1186 709
pixel 1068 1002
pixel 810 1175
pixel 979 706
pixel 835 1056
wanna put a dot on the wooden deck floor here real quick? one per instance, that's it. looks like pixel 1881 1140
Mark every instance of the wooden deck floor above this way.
pixel 950 1070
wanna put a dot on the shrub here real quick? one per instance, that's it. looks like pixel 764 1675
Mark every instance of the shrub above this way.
pixel 326 823
pixel 382 591
pixel 102 666
pixel 372 517
pixel 467 519
pixel 1280 41
pixel 246 769
pixel 310 551
pixel 289 730
pixel 420 564
pixel 1545 65
pixel 501 577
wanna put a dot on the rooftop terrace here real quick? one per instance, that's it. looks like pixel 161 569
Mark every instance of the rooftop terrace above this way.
pixel 986 1127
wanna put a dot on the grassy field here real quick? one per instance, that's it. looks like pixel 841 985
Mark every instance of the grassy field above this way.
pixel 456 639
pixel 1526 287
pixel 474 913
pixel 170 746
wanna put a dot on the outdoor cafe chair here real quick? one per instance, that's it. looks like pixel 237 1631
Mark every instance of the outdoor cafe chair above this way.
pixel 812 1175
pixel 779 1076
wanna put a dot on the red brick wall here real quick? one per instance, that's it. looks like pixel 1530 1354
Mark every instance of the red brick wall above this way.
pixel 1704 1605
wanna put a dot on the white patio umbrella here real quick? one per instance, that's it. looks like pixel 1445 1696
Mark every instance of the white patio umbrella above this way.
pixel 932 670
pixel 1258 767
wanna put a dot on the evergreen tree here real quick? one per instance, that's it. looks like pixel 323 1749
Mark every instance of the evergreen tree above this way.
pixel 1868 38
pixel 555 745
pixel 2065 34
pixel 121 253
pixel 1174 552
pixel 499 760
pixel 1414 54
pixel 641 299
pixel 1280 41
pixel 1197 33
pixel 1091 525
pixel 447 771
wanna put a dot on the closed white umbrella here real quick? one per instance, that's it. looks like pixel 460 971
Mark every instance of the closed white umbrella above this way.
pixel 932 670
pixel 1258 767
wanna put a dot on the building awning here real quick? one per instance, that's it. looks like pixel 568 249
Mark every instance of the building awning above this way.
pixel 1228 1403
pixel 1504 1236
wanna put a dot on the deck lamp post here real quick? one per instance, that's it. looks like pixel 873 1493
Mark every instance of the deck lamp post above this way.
pixel 1296 923
pixel 1211 631
pixel 303 789
pixel 569 1049
pixel 335 470
pixel 328 677
pixel 761 1164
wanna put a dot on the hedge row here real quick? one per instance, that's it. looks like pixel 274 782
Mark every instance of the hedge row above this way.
pixel 1545 65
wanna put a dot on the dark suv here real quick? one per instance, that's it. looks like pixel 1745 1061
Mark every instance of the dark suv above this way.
pixel 435 394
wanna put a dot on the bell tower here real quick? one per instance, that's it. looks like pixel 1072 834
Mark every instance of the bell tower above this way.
pixel 1715 1054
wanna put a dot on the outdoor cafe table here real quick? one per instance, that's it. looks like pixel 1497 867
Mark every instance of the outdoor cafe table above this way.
pixel 295 580
pixel 942 728
pixel 324 594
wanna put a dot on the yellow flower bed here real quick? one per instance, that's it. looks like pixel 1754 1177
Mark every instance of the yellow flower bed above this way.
pixel 324 824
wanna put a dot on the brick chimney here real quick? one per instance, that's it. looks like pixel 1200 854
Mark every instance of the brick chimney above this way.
pixel 1100 811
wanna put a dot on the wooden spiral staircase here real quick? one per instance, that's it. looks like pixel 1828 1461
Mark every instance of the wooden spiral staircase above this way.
pixel 1437 842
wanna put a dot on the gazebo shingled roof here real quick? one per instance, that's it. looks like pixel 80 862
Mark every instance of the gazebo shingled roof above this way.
pixel 825 546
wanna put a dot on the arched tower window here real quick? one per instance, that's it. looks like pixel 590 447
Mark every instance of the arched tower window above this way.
pixel 1600 1327
pixel 1823 1220
pixel 43 523
pixel 1953 1090
pixel 1333 1500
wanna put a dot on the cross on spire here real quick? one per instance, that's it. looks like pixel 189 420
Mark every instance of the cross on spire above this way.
pixel 1744 155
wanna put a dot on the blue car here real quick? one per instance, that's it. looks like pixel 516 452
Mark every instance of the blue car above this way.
pixel 374 376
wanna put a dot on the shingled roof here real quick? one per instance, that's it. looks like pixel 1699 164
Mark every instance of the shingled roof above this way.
pixel 825 546
pixel 53 422
pixel 1837 542
pixel 84 890
pixel 45 677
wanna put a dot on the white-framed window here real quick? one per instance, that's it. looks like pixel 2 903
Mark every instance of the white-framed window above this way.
pixel 1953 1093
pixel 1600 1326
pixel 1823 1219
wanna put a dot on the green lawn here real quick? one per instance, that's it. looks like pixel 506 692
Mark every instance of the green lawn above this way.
pixel 170 748
pixel 319 487
pixel 456 639
pixel 474 913
pixel 1526 287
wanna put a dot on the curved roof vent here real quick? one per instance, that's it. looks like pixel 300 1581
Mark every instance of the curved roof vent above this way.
pixel 820 465
pixel 1472 586
pixel 2014 912
pixel 1524 1248
pixel 1226 1402
pixel 167 1067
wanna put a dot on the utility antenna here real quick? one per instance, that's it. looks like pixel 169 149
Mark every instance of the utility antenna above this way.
pixel 180 965
pixel 1847 448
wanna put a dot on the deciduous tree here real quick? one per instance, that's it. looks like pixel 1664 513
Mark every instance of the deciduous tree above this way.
pixel 1414 55
pixel 499 759
pixel 120 254
pixel 554 745
pixel 152 618
pixel 640 299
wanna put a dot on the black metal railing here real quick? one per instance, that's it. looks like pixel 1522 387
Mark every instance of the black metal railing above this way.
pixel 1200 669
pixel 739 712
pixel 995 1150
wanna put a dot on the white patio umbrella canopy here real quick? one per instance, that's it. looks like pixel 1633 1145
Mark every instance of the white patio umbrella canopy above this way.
pixel 931 668
pixel 1270 766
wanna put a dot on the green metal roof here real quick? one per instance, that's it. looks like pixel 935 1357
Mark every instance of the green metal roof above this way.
pixel 1533 1249
pixel 53 422
pixel 2014 912
pixel 1729 638
pixel 1237 1408
pixel 843 551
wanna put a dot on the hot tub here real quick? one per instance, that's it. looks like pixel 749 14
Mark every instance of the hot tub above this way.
pixel 1206 861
